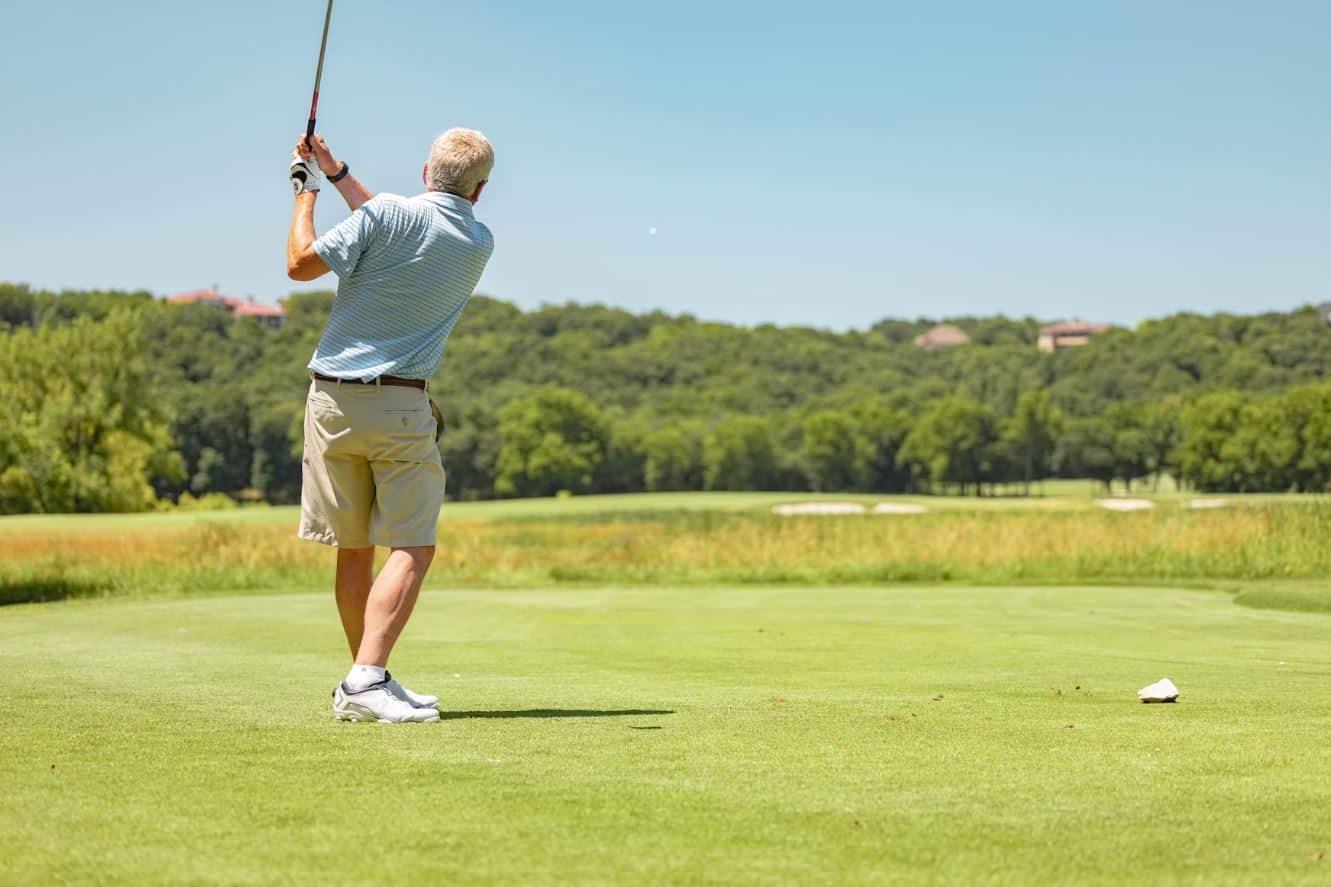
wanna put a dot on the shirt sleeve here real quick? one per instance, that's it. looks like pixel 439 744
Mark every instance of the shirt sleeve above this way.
pixel 342 246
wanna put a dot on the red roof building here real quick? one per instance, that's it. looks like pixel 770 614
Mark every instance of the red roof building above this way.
pixel 269 315
pixel 206 297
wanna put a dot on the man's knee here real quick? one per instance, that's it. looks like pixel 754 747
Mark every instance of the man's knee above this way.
pixel 421 555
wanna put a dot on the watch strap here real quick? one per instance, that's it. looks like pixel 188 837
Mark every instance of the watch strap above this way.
pixel 340 174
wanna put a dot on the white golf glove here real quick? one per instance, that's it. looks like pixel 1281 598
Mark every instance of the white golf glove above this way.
pixel 305 175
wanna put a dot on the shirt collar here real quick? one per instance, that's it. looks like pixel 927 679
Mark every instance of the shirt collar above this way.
pixel 443 199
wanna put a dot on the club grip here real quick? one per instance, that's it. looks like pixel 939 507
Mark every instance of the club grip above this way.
pixel 309 130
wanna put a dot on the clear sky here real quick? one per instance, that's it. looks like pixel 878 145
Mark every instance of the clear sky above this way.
pixel 822 163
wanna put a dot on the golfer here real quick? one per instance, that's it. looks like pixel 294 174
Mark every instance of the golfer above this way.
pixel 406 268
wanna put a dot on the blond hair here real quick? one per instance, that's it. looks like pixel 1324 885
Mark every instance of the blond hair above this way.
pixel 460 160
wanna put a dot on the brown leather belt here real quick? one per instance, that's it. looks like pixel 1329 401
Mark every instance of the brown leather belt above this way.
pixel 382 380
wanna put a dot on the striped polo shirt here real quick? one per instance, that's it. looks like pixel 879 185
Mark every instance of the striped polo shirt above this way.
pixel 407 267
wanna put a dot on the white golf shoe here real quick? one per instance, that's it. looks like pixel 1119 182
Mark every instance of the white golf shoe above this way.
pixel 420 700
pixel 378 703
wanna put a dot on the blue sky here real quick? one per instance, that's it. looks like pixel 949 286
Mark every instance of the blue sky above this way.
pixel 826 164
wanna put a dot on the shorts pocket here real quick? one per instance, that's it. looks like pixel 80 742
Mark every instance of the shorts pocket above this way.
pixel 406 435
pixel 322 404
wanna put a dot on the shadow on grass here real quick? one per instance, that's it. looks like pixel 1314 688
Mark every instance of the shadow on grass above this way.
pixel 1315 599
pixel 40 589
pixel 554 713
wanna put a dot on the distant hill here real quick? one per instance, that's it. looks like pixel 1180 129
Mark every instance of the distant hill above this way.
pixel 672 402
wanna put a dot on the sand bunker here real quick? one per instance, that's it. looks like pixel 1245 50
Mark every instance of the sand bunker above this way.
pixel 1209 503
pixel 819 508
pixel 898 508
pixel 1125 504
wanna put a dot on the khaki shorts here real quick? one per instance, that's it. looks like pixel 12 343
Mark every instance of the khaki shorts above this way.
pixel 371 472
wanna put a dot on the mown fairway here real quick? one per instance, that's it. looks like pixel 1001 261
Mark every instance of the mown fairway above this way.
pixel 688 735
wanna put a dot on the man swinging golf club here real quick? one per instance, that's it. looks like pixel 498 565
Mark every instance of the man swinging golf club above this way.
pixel 406 268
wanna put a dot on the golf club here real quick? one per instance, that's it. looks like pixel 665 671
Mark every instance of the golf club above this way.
pixel 319 73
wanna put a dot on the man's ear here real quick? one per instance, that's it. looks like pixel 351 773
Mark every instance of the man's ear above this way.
pixel 476 195
pixel 425 175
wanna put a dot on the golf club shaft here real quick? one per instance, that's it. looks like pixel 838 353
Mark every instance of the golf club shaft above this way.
pixel 319 73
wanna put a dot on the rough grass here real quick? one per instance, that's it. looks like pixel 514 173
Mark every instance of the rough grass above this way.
pixel 725 541
pixel 946 735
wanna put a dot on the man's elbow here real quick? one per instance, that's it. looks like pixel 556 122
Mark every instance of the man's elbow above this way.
pixel 306 267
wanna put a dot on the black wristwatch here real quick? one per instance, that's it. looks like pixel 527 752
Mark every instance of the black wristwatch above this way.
pixel 340 174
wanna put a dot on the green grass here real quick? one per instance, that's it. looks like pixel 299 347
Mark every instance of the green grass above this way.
pixel 1298 597
pixel 679 736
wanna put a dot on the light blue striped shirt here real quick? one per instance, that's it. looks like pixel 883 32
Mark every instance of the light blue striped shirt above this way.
pixel 407 267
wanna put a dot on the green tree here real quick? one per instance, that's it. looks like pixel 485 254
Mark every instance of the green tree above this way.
pixel 838 454
pixel 275 468
pixel 1085 449
pixel 674 457
pixel 470 445
pixel 1207 457
pixel 80 428
pixel 624 465
pixel 552 439
pixel 1030 434
pixel 1162 431
pixel 886 429
pixel 225 385
pixel 1310 410
pixel 739 454
pixel 954 443
pixel 1128 442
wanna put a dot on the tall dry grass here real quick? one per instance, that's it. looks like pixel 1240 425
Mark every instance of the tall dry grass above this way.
pixel 1170 544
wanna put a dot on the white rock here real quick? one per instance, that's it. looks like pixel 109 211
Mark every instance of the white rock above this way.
pixel 819 508
pixel 1162 690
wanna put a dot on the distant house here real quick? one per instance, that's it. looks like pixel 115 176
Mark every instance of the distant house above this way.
pixel 268 315
pixel 203 297
pixel 945 335
pixel 1072 334
pixel 271 316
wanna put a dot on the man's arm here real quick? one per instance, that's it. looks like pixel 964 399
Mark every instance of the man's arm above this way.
pixel 352 191
pixel 303 263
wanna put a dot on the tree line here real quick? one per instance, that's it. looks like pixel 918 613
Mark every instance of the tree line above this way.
pixel 115 401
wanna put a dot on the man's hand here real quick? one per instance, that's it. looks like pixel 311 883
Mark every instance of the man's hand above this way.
pixel 323 155
pixel 315 152
pixel 305 175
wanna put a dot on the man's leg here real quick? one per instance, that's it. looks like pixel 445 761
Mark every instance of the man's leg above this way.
pixel 390 603
pixel 355 576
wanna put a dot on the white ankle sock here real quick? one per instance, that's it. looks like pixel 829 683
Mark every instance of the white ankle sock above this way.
pixel 364 676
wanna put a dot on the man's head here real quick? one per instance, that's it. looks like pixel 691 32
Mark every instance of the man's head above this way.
pixel 460 163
